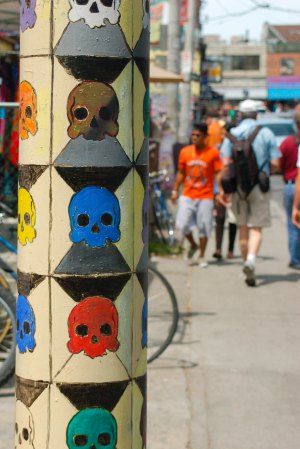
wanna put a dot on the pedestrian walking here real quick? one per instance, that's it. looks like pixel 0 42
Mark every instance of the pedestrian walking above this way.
pixel 215 130
pixel 296 204
pixel 198 166
pixel 288 164
pixel 220 217
pixel 252 210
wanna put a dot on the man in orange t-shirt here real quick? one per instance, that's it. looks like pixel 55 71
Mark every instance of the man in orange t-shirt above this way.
pixel 198 166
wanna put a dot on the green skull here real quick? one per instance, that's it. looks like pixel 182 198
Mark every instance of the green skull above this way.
pixel 92 428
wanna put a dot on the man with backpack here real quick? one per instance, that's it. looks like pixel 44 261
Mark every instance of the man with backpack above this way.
pixel 249 152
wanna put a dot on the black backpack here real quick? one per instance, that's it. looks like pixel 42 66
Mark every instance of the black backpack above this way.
pixel 242 172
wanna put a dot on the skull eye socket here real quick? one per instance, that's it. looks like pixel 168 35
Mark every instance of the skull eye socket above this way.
pixel 105 329
pixel 82 2
pixel 107 3
pixel 104 439
pixel 81 113
pixel 82 330
pixel 16 427
pixel 18 325
pixel 19 218
pixel 83 220
pixel 28 112
pixel 105 113
pixel 27 218
pixel 80 440
pixel 26 327
pixel 25 434
pixel 106 219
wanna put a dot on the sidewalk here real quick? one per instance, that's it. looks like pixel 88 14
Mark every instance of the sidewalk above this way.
pixel 231 380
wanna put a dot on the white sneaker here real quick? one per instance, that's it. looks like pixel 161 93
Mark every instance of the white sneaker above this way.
pixel 203 263
pixel 249 271
pixel 190 255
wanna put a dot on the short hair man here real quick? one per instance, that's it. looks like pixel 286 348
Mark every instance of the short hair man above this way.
pixel 288 162
pixel 198 166
pixel 253 212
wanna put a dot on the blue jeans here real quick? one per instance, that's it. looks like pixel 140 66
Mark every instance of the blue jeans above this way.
pixel 293 231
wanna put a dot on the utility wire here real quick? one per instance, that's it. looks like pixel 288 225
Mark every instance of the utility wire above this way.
pixel 222 6
pixel 254 8
pixel 233 14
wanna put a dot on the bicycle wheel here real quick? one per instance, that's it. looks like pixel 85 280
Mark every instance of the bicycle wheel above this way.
pixel 7 333
pixel 163 314
pixel 163 220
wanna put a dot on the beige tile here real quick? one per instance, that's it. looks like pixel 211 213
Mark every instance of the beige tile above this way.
pixel 125 196
pixel 60 239
pixel 37 40
pixel 35 149
pixel 137 350
pixel 81 367
pixel 35 365
pixel 33 256
pixel 138 222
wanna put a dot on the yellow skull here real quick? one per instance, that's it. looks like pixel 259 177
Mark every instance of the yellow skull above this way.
pixel 26 217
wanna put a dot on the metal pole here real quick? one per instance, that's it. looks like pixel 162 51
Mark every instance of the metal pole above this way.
pixel 185 109
pixel 81 310
pixel 173 63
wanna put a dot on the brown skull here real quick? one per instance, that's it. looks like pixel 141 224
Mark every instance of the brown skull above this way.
pixel 93 110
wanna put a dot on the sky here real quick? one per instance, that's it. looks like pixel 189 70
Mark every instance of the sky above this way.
pixel 217 16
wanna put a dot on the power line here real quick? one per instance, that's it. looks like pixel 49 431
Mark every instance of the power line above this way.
pixel 222 6
pixel 233 14
pixel 256 6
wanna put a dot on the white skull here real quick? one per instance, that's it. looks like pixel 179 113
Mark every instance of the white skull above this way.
pixel 146 16
pixel 95 12
pixel 24 429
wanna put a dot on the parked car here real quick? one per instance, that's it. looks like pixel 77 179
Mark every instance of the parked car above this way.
pixel 281 127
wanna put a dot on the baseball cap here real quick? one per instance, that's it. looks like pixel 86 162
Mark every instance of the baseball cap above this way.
pixel 248 106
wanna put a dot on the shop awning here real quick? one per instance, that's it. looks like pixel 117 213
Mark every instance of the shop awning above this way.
pixel 159 75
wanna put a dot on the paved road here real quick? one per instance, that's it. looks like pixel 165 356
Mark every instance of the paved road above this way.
pixel 231 380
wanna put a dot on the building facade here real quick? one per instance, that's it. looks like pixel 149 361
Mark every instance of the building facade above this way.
pixel 244 67
pixel 283 62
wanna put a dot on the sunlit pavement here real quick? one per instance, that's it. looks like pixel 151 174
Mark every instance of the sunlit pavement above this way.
pixel 231 379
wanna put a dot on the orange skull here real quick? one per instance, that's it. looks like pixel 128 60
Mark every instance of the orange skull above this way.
pixel 28 110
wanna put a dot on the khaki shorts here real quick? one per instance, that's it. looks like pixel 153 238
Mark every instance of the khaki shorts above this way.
pixel 254 211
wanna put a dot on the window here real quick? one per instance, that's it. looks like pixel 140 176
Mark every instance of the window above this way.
pixel 248 62
pixel 287 67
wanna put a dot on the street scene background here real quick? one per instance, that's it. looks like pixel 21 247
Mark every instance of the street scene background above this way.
pixel 230 379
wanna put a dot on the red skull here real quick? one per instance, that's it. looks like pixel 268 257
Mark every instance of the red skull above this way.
pixel 93 327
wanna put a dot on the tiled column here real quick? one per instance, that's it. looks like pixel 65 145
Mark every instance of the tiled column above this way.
pixel 82 306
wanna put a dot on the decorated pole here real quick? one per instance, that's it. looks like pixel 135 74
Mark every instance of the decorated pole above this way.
pixel 83 204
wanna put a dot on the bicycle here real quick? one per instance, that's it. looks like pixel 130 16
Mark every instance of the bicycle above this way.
pixel 7 311
pixel 163 218
pixel 163 314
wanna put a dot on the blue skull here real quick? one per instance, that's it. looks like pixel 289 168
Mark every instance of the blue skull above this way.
pixel 94 214
pixel 25 325
pixel 145 324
